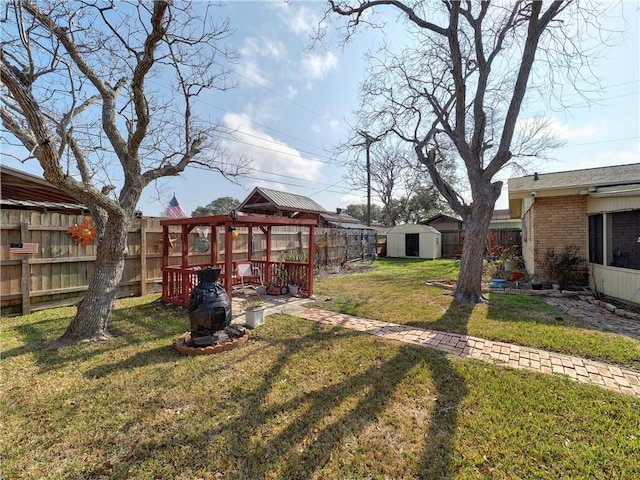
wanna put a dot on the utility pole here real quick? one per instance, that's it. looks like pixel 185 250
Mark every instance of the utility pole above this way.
pixel 368 140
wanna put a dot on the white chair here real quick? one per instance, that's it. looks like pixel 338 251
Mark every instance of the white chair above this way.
pixel 245 272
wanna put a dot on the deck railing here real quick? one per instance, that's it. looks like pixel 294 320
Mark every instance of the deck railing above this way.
pixel 178 282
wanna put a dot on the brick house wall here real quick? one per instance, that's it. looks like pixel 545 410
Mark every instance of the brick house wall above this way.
pixel 558 222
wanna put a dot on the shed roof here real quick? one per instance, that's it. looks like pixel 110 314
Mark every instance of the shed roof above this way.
pixel 443 217
pixel 265 200
pixel 414 228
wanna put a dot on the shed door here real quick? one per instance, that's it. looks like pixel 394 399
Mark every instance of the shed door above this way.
pixel 412 244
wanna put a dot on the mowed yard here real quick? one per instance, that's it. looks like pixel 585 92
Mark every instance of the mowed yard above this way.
pixel 303 401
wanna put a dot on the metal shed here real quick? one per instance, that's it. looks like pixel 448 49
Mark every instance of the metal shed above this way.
pixel 414 241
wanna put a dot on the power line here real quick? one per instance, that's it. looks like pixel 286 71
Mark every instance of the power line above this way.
pixel 253 177
pixel 277 151
pixel 277 94
pixel 267 127
pixel 231 131
pixel 601 141
pixel 333 185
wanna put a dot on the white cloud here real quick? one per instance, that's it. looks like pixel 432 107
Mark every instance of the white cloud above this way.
pixel 334 124
pixel 266 153
pixel 262 113
pixel 610 157
pixel 572 132
pixel 291 92
pixel 263 47
pixel 251 74
pixel 299 19
pixel 251 52
pixel 316 66
pixel 352 199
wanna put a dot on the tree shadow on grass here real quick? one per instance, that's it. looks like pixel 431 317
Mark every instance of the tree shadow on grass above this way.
pixel 33 335
pixel 319 438
pixel 374 390
pixel 153 356
pixel 329 417
pixel 454 320
pixel 298 437
pixel 129 326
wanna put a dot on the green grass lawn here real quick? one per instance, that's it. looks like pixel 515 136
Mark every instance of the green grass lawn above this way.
pixel 298 401
pixel 395 291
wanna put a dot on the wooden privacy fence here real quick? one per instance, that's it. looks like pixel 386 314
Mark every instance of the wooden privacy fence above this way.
pixel 453 241
pixel 59 272
pixel 336 246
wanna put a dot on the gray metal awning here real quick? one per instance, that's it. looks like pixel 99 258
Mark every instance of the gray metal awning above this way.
pixel 351 226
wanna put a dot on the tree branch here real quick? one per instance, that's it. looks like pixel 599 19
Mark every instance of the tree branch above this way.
pixel 536 27
pixel 349 11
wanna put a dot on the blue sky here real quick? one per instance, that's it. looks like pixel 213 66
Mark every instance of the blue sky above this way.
pixel 292 105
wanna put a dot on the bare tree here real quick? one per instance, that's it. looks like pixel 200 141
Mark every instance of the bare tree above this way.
pixel 394 178
pixel 460 86
pixel 103 95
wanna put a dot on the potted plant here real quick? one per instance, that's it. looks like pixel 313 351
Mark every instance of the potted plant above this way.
pixel 518 272
pixel 254 308
pixel 294 273
pixel 517 275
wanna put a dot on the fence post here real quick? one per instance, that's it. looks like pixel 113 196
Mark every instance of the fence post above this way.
pixel 143 256
pixel 25 280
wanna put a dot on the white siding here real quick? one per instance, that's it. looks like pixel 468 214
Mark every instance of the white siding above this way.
pixel 615 282
pixel 612 204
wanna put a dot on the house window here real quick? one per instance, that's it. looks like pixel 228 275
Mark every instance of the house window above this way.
pixel 624 246
pixel 613 239
pixel 596 239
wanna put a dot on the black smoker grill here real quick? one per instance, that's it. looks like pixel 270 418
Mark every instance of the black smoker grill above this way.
pixel 209 310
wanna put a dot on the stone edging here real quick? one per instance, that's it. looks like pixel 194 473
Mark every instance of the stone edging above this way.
pixel 181 345
pixel 588 297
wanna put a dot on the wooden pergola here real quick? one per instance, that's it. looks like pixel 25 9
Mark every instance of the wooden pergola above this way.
pixel 179 280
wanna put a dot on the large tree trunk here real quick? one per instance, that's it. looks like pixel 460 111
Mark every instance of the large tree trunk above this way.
pixel 469 286
pixel 94 311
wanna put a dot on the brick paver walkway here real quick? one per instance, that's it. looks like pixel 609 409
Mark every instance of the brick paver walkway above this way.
pixel 579 369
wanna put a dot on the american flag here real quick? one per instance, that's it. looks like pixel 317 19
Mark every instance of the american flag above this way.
pixel 23 247
pixel 174 210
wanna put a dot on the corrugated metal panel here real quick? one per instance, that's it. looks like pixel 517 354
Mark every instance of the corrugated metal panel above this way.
pixel 42 205
pixel 17 185
pixel 357 226
pixel 339 217
pixel 290 201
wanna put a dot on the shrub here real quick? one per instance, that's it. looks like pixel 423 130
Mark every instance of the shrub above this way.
pixel 565 268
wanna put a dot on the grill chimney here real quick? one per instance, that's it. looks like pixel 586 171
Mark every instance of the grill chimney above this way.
pixel 338 211
pixel 535 176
